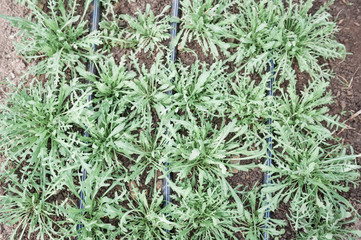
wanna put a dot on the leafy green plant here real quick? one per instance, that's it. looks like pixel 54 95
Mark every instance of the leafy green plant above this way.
pixel 247 104
pixel 285 32
pixel 306 111
pixel 111 82
pixel 43 115
pixel 145 219
pixel 251 29
pixel 98 202
pixel 207 22
pixel 56 41
pixel 206 213
pixel 321 219
pixel 106 127
pixel 201 91
pixel 149 91
pixel 309 164
pixel 27 206
pixel 147 149
pixel 252 220
pixel 147 32
pixel 200 119
pixel 205 151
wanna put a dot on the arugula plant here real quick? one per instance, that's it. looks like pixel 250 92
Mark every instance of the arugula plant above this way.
pixel 28 206
pixel 145 32
pixel 285 32
pixel 41 116
pixel 204 151
pixel 201 89
pixel 145 219
pixel 247 104
pixel 251 29
pixel 57 41
pixel 252 221
pixel 309 164
pixel 307 37
pixel 148 149
pixel 307 111
pixel 206 213
pixel 98 202
pixel 207 22
pixel 149 91
pixel 106 127
pixel 321 219
pixel 111 82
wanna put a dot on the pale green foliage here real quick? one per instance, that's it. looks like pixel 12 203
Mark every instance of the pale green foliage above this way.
pixel 321 219
pixel 57 41
pixel 147 149
pixel 106 127
pixel 143 219
pixel 205 151
pixel 206 213
pixel 25 204
pixel 309 164
pixel 203 120
pixel 98 202
pixel 252 220
pixel 149 90
pixel 111 82
pixel 146 32
pixel 247 104
pixel 42 115
pixel 199 90
pixel 306 111
pixel 269 30
pixel 208 23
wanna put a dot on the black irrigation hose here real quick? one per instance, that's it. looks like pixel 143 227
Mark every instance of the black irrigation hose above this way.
pixel 93 27
pixel 267 175
pixel 173 31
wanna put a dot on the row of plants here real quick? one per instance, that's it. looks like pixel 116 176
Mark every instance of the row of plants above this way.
pixel 214 122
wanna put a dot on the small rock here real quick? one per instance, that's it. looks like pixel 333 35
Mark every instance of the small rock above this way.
pixel 234 170
pixel 349 93
pixel 343 105
pixel 132 185
pixel 159 184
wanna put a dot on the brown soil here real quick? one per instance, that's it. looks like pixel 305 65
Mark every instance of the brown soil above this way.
pixel 346 86
pixel 11 67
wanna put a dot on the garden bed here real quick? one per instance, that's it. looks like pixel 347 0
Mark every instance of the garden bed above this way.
pixel 345 87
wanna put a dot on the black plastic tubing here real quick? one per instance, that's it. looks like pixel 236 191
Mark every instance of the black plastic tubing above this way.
pixel 95 18
pixel 166 190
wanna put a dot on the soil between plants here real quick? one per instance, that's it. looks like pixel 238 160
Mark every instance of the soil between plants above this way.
pixel 345 86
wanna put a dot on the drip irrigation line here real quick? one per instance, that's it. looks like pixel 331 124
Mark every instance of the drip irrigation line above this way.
pixel 93 27
pixel 267 175
pixel 166 190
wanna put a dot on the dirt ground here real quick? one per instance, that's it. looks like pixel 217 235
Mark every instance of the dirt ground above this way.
pixel 346 86
pixel 11 66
